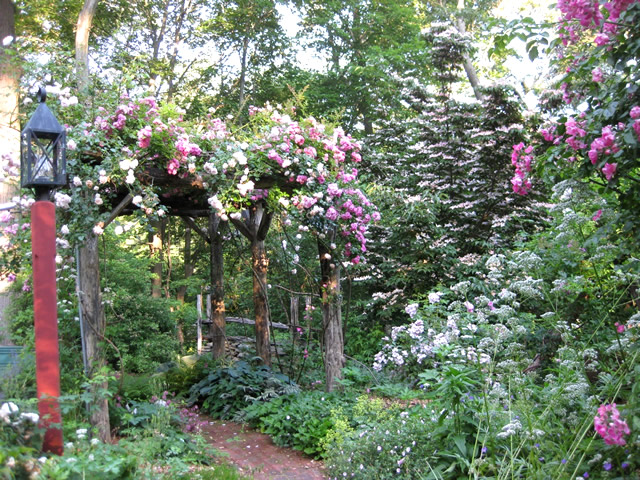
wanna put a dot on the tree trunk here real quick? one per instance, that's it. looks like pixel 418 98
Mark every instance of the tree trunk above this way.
pixel 89 294
pixel 188 271
pixel 331 315
pixel 218 321
pixel 254 226
pixel 9 133
pixel 260 263
pixel 93 328
pixel 243 72
pixel 83 29
pixel 469 69
pixel 294 321
pixel 9 85
pixel 155 251
pixel 188 266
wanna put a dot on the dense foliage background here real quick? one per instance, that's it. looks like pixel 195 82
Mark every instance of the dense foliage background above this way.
pixel 477 167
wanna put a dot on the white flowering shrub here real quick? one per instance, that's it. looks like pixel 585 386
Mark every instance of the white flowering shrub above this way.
pixel 536 344
pixel 20 441
pixel 447 329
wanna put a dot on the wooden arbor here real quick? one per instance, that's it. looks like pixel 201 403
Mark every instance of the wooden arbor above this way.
pixel 186 198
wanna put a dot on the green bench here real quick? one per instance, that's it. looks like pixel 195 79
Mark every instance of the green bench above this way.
pixel 9 355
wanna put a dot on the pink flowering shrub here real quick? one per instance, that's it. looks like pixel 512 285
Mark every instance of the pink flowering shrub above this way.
pixel 160 133
pixel 521 159
pixel 580 15
pixel 598 145
pixel 610 426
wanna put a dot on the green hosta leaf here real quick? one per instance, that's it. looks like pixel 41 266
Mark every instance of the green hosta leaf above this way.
pixel 460 442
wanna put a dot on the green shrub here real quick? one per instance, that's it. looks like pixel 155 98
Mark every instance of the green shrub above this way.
pixel 186 372
pixel 137 387
pixel 300 421
pixel 398 447
pixel 142 329
pixel 227 390
pixel 92 460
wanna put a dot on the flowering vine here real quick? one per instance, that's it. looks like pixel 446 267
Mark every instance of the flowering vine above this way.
pixel 312 167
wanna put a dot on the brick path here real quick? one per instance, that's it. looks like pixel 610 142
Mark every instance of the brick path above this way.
pixel 255 454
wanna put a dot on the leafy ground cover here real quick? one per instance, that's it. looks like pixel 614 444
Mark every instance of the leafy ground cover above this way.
pixel 155 439
pixel 492 335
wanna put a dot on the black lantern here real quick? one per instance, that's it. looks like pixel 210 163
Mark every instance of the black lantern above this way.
pixel 43 150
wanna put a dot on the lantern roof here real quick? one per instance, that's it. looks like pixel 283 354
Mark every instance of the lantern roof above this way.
pixel 43 119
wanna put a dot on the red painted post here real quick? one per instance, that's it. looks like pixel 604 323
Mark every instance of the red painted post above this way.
pixel 45 309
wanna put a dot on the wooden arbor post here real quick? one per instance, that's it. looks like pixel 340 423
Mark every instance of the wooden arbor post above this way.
pixel 254 226
pixel 156 241
pixel 93 322
pixel 218 322
pixel 331 313
pixel 93 326
pixel 43 241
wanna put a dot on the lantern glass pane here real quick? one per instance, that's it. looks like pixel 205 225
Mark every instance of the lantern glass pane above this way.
pixel 43 151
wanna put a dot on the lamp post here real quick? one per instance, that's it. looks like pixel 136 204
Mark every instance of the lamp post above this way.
pixel 43 167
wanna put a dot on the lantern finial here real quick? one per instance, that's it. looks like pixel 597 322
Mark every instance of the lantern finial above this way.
pixel 42 94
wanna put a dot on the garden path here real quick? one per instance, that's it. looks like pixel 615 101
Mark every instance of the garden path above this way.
pixel 255 453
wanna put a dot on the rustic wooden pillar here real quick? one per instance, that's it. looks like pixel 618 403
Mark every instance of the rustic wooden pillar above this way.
pixel 294 323
pixel 155 251
pixel 188 271
pixel 260 263
pixel 199 325
pixel 218 322
pixel 331 314
pixel 93 328
pixel 254 226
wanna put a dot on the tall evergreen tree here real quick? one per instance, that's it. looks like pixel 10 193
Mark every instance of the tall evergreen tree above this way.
pixel 444 167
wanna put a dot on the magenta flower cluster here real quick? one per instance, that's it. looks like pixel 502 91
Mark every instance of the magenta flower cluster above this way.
pixel 605 144
pixel 190 419
pixel 578 15
pixel 576 131
pixel 610 426
pixel 144 117
pixel 521 159
pixel 635 115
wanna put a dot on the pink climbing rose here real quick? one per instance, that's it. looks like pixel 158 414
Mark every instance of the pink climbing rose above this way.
pixel 173 166
pixel 597 75
pixel 601 39
pixel 610 426
pixel 609 170
pixel 144 137
pixel 597 216
pixel 635 112
pixel 521 159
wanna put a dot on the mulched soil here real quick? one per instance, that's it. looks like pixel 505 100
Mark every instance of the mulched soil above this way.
pixel 254 453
